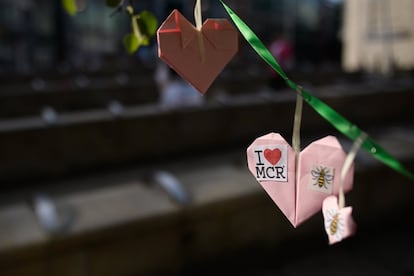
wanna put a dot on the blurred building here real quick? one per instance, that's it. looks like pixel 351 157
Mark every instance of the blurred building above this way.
pixel 378 35
pixel 38 35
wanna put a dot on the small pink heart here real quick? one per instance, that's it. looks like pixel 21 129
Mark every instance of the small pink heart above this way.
pixel 273 156
pixel 339 223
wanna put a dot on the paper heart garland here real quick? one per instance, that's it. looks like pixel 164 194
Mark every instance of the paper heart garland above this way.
pixel 298 192
pixel 180 48
pixel 339 223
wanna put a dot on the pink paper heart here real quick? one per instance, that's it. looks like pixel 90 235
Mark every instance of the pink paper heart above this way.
pixel 319 167
pixel 179 47
pixel 273 156
pixel 339 223
pixel 298 192
pixel 278 182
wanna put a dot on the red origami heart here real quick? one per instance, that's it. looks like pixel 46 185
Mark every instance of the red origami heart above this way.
pixel 273 156
pixel 198 63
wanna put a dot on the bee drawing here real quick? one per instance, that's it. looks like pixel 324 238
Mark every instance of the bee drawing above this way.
pixel 334 224
pixel 322 176
pixel 333 227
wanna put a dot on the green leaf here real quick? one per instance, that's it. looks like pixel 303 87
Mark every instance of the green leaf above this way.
pixel 144 26
pixel 147 25
pixel 70 7
pixel 131 43
pixel 113 3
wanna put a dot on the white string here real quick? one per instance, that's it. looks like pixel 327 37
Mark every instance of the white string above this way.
pixel 296 129
pixel 197 15
pixel 199 24
pixel 347 165
pixel 297 122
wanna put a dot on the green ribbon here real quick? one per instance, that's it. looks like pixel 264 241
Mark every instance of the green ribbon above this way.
pixel 344 126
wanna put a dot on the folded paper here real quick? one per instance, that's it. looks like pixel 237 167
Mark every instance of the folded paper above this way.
pixel 198 56
pixel 298 191
pixel 276 175
pixel 339 223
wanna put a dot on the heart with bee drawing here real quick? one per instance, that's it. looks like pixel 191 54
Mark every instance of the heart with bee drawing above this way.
pixel 339 223
pixel 298 185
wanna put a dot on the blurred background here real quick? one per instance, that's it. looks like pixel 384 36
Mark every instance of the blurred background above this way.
pixel 110 164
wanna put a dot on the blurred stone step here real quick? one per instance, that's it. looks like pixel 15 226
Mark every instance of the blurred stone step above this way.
pixel 123 226
pixel 75 94
pixel 81 141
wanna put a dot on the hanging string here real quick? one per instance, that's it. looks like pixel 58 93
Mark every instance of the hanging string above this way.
pixel 347 165
pixel 199 24
pixel 197 15
pixel 328 113
pixel 296 128
pixel 297 122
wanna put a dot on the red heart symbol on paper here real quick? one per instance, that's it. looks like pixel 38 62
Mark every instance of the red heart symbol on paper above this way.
pixel 273 156
pixel 298 191
pixel 179 46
